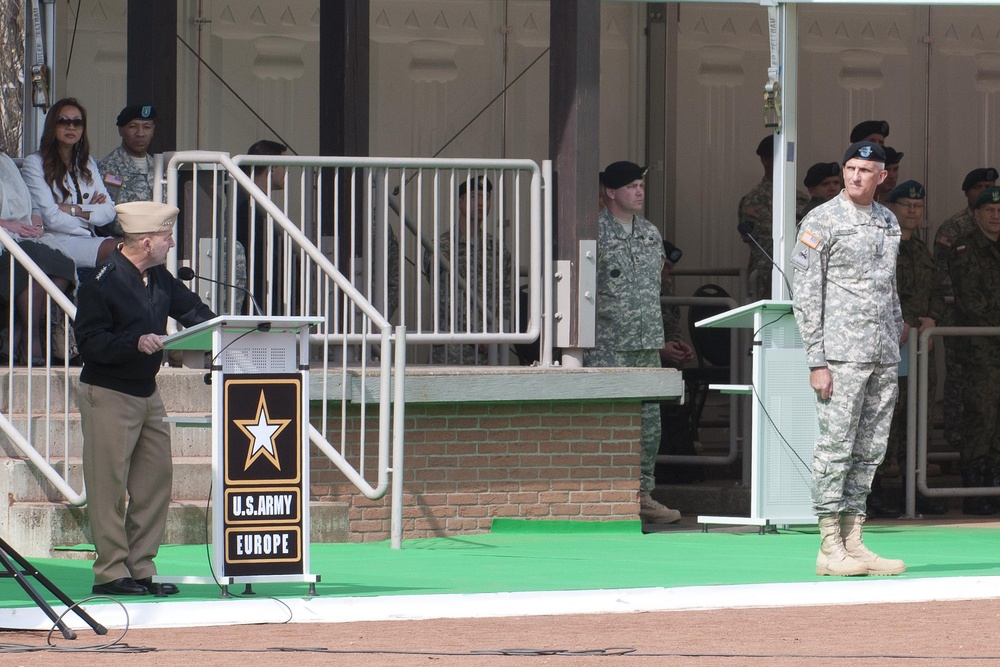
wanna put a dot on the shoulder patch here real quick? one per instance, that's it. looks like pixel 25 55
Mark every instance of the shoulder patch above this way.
pixel 943 240
pixel 809 240
pixel 113 180
pixel 800 257
pixel 959 249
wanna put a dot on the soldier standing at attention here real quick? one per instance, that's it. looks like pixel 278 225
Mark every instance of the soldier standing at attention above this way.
pixel 974 264
pixel 755 216
pixel 848 312
pixel 958 225
pixel 128 169
pixel 630 257
pixel 921 302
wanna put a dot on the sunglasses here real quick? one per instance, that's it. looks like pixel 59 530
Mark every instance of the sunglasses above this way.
pixel 62 121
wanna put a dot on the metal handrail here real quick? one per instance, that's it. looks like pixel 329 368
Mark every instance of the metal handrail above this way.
pixel 916 441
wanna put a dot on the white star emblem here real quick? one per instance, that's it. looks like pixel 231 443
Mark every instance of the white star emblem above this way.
pixel 262 431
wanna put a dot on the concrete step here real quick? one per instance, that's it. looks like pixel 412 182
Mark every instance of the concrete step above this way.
pixel 62 436
pixel 191 481
pixel 182 390
pixel 35 529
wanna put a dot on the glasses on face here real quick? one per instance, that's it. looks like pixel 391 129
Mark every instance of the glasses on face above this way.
pixel 63 121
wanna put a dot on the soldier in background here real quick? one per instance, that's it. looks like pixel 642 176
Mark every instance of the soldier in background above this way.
pixel 630 257
pixel 848 312
pixel 465 253
pixel 755 216
pixel 921 302
pixel 974 265
pixel 823 183
pixel 955 227
pixel 128 169
pixel 874 131
pixel 892 159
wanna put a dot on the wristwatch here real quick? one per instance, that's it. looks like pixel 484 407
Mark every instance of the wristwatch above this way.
pixel 72 211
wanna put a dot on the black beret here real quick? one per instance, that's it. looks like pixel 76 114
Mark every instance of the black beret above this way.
pixel 906 190
pixel 865 150
pixel 766 146
pixel 620 174
pixel 476 184
pixel 819 172
pixel 978 176
pixel 868 128
pixel 140 111
pixel 892 156
pixel 987 196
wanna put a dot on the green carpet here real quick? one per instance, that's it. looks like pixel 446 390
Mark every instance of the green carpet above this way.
pixel 566 555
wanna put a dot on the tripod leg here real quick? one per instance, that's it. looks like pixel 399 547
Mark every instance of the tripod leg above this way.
pixel 8 557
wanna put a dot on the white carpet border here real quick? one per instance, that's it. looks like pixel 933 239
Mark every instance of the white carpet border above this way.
pixel 165 614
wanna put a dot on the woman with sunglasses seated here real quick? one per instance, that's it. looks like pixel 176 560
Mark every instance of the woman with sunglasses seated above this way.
pixel 66 187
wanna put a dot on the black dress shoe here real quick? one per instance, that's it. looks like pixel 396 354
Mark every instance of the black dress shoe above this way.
pixel 157 589
pixel 123 586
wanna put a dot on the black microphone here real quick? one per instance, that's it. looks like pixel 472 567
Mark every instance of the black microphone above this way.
pixel 744 230
pixel 187 273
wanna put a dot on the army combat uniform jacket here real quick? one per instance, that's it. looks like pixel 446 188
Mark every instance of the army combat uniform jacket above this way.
pixel 845 299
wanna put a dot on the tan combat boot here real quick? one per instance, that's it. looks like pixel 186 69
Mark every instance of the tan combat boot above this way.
pixel 651 511
pixel 851 530
pixel 833 558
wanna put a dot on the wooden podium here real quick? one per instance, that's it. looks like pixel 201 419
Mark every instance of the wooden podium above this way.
pixel 259 373
pixel 783 416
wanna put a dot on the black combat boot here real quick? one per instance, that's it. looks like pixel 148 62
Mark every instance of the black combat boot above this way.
pixel 975 505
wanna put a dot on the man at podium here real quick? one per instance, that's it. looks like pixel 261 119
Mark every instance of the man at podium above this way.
pixel 121 317
pixel 848 312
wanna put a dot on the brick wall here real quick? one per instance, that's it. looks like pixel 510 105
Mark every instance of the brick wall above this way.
pixel 467 463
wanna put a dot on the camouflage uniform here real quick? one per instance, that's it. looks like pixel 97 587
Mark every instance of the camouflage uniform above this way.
pixel 919 296
pixel 755 211
pixel 135 186
pixel 848 312
pixel 974 263
pixel 955 227
pixel 468 263
pixel 629 324
pixel 671 315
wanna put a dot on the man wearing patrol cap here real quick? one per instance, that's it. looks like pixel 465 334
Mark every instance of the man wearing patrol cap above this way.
pixel 630 256
pixel 848 312
pixel 974 265
pixel 128 170
pixel 955 227
pixel 874 131
pixel 121 316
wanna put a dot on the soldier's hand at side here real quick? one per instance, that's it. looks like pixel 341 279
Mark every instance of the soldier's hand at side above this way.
pixel 905 336
pixel 821 380
pixel 149 344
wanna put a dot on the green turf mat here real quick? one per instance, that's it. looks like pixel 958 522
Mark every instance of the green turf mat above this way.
pixel 513 560
pixel 558 527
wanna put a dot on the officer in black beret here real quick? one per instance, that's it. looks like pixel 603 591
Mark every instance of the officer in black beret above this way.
pixel 128 170
pixel 892 158
pixel 874 131
pixel 823 182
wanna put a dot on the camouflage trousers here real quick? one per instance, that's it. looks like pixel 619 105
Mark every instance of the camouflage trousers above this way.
pixel 954 382
pixel 853 432
pixel 981 426
pixel 650 411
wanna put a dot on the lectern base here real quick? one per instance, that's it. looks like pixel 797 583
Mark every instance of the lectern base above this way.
pixel 774 522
